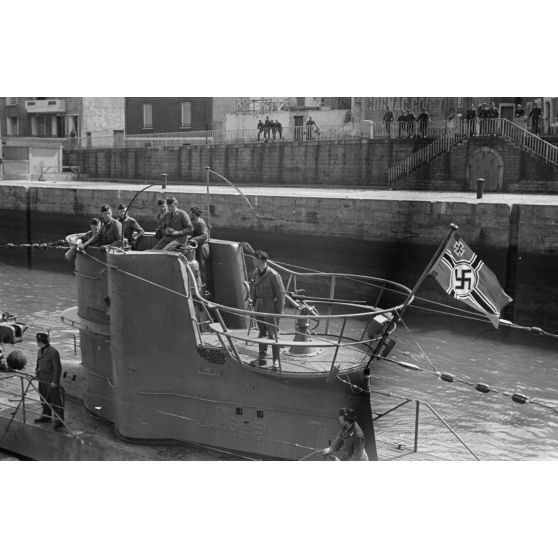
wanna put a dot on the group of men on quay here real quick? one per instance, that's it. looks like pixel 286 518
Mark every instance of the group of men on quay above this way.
pixel 406 122
pixel 175 231
pixel 270 129
pixel 480 120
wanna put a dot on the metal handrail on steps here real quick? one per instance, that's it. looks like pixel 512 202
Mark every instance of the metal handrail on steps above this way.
pixel 425 154
pixel 529 141
pixel 489 127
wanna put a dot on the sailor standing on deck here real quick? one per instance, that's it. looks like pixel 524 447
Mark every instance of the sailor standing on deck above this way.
pixel 48 372
pixel 131 229
pixel 269 297
pixel 200 235
pixel 349 443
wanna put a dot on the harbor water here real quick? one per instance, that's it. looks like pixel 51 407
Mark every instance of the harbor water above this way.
pixel 493 426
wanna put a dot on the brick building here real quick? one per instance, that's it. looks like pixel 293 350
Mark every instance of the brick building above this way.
pixel 154 115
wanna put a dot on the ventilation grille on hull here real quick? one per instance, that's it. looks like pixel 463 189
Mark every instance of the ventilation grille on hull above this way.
pixel 212 355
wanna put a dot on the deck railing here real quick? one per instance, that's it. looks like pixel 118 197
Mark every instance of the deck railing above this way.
pixel 340 325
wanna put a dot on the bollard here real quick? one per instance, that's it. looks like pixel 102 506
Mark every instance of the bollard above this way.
pixel 480 188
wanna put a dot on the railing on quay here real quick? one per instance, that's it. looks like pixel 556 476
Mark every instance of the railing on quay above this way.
pixel 529 141
pixel 286 134
pixel 368 129
pixel 425 154
pixel 482 127
pixel 397 129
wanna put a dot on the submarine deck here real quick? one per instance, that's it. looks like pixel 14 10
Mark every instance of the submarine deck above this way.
pixel 316 363
pixel 91 438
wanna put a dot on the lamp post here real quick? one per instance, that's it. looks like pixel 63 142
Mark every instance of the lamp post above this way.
pixel 163 187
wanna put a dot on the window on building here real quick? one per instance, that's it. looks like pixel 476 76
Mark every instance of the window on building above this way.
pixel 34 125
pixel 344 103
pixel 185 115
pixel 11 101
pixel 148 115
pixel 12 126
pixel 54 126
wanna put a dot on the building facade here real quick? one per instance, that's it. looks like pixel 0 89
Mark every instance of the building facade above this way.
pixel 58 117
pixel 157 115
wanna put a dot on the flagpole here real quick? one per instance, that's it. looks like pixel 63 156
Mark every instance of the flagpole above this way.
pixel 441 249
pixel 398 315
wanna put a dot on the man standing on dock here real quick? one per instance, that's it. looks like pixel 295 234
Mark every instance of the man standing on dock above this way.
pixel 268 297
pixel 48 373
pixel 388 120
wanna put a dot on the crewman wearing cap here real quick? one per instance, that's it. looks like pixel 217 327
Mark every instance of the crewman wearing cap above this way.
pixel 175 227
pixel 200 236
pixel 110 232
pixel 268 295
pixel 131 229
pixel 349 443
pixel 48 372
pixel 161 210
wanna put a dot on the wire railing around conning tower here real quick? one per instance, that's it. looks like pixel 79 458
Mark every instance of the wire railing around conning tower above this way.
pixel 323 331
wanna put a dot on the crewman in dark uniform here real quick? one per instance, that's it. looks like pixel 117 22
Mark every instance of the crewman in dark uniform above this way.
pixel 411 123
pixel 279 128
pixel 161 210
pixel 310 124
pixel 200 235
pixel 492 113
pixel 535 115
pixel 483 117
pixel 402 123
pixel 260 128
pixel 267 128
pixel 349 443
pixel 48 372
pixel 470 116
pixel 268 296
pixel 176 226
pixel 388 120
pixel 423 119
pixel 131 229
pixel 110 233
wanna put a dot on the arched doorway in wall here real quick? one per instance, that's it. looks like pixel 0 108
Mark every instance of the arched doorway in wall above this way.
pixel 486 163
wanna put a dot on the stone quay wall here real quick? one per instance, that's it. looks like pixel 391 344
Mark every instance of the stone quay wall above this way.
pixel 363 163
pixel 392 237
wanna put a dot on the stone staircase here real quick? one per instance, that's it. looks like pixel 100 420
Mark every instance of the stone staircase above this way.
pixel 499 127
